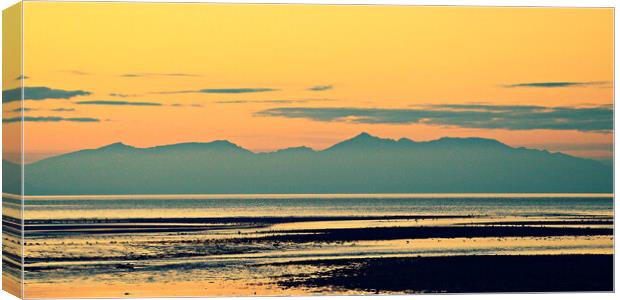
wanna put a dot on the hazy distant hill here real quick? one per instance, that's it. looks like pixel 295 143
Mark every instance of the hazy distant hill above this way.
pixel 363 164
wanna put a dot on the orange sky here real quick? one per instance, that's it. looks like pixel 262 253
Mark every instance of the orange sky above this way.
pixel 372 57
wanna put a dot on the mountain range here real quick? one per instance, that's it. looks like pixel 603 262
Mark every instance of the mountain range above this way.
pixel 362 164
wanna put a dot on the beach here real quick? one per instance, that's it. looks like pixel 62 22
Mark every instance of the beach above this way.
pixel 310 246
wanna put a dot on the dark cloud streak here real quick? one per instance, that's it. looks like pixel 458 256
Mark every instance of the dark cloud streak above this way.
pixel 283 101
pixel 19 109
pixel 186 105
pixel 318 88
pixel 475 116
pixel 556 84
pixel 111 102
pixel 223 91
pixel 49 119
pixel 39 93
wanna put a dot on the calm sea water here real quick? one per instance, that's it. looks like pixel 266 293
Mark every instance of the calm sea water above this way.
pixel 319 205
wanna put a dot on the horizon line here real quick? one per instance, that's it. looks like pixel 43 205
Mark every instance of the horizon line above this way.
pixel 304 196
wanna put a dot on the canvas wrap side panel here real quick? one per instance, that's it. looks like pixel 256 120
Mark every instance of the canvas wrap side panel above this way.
pixel 12 154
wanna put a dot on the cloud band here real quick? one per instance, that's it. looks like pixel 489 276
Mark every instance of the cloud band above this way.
pixel 468 116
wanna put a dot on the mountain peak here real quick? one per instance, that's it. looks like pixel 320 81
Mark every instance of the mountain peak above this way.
pixel 363 139
pixel 364 135
pixel 116 146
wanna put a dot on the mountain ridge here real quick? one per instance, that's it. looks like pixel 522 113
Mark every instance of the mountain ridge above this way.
pixel 362 164
pixel 362 139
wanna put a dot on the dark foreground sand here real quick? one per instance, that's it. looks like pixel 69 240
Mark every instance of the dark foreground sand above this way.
pixel 419 232
pixel 463 274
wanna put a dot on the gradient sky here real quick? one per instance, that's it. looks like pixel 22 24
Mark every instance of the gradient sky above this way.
pixel 274 76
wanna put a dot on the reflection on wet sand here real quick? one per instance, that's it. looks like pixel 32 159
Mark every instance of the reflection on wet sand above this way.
pixel 271 247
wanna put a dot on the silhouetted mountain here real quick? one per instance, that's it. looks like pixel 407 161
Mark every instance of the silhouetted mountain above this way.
pixel 221 146
pixel 294 150
pixel 363 140
pixel 363 164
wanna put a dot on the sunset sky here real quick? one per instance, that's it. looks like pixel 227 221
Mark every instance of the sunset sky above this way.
pixel 274 76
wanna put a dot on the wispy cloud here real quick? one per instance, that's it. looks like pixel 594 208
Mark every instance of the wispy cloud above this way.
pixel 224 91
pixel 283 101
pixel 159 74
pixel 49 119
pixel 112 102
pixel 120 95
pixel 186 105
pixel 318 88
pixel 76 72
pixel 556 84
pixel 19 109
pixel 512 117
pixel 39 93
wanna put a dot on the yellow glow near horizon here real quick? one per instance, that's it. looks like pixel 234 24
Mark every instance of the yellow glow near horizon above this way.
pixel 373 56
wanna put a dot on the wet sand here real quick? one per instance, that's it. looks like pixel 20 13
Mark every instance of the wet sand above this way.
pixel 39 227
pixel 35 228
pixel 448 274
pixel 393 233
pixel 212 288
pixel 463 274
pixel 312 247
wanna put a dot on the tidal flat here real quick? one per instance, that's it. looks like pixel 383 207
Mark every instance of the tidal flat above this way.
pixel 311 246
